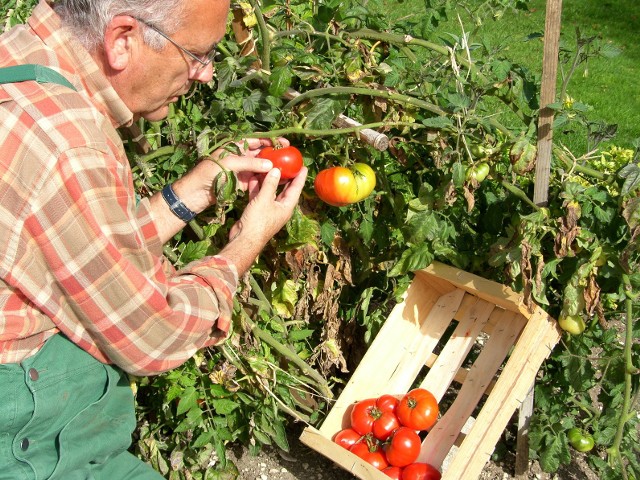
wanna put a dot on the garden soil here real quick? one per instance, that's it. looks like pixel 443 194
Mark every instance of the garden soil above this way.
pixel 303 463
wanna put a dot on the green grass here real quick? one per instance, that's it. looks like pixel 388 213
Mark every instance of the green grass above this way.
pixel 609 85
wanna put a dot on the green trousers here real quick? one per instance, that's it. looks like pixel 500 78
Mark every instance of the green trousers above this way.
pixel 64 415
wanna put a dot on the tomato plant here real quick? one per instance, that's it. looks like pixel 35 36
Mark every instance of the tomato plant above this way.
pixel 581 441
pixel 374 416
pixel 418 409
pixel 370 452
pixel 347 437
pixel 403 447
pixel 420 471
pixel 286 159
pixel 341 186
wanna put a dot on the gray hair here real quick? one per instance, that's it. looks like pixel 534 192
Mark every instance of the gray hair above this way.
pixel 87 19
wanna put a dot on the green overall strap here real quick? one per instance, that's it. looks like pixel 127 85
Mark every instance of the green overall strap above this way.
pixel 39 73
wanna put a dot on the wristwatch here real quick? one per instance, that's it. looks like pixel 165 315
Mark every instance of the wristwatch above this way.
pixel 178 208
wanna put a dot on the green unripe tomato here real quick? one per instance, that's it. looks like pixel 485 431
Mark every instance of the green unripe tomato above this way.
pixel 478 172
pixel 574 324
pixel 581 441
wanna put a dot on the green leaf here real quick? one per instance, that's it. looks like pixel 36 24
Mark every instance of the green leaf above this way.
pixel 414 258
pixel 328 233
pixel 438 122
pixel 555 453
pixel 203 439
pixel 301 230
pixel 223 406
pixel 188 400
pixel 323 112
pixel 194 251
pixel 297 335
pixel 422 226
pixel 280 80
pixel 501 69
pixel 251 103
pixel 261 437
pixel 280 436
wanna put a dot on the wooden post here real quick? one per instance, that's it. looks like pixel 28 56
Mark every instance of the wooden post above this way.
pixel 541 187
pixel 547 96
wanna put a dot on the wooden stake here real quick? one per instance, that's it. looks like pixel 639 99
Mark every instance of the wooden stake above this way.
pixel 547 96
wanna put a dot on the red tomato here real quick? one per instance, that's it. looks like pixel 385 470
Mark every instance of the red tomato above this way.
pixel 347 437
pixel 369 417
pixel 340 186
pixel 286 159
pixel 387 403
pixel 403 447
pixel 418 409
pixel 371 453
pixel 393 472
pixel 384 425
pixel 361 418
pixel 420 471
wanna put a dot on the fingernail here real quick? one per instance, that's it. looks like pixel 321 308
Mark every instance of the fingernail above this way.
pixel 275 173
pixel 267 165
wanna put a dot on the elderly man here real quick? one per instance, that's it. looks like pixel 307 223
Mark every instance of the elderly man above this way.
pixel 85 293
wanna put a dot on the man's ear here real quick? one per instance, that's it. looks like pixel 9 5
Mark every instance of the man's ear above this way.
pixel 121 39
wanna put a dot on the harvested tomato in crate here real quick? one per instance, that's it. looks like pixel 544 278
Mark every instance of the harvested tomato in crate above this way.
pixel 457 335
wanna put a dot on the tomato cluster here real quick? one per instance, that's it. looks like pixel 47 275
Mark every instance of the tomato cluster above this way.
pixel 384 432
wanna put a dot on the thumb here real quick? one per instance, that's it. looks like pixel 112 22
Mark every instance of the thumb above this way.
pixel 270 184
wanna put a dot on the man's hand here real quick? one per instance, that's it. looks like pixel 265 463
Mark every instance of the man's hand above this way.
pixel 266 213
pixel 195 188
pixel 249 170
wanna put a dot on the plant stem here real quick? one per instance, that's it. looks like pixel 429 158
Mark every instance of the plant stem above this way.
pixel 520 194
pixel 169 254
pixel 372 92
pixel 265 54
pixel 625 415
pixel 288 354
pixel 328 132
pixel 160 152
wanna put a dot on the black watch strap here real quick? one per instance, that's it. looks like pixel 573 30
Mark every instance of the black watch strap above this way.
pixel 178 208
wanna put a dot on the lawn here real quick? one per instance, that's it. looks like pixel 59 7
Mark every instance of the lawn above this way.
pixel 608 84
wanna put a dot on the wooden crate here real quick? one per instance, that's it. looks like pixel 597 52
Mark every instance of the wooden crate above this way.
pixel 464 318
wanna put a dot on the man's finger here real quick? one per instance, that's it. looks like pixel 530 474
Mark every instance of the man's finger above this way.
pixel 247 164
pixel 270 184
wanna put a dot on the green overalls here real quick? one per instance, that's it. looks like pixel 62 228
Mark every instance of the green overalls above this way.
pixel 63 414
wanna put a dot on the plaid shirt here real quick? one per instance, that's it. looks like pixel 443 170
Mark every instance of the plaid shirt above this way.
pixel 77 254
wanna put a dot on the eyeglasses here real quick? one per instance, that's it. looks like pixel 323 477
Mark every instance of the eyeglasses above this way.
pixel 203 60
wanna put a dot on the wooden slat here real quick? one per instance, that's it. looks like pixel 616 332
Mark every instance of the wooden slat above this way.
pixel 444 370
pixel 339 455
pixel 488 290
pixel 423 344
pixel 537 340
pixel 401 336
pixel 441 438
